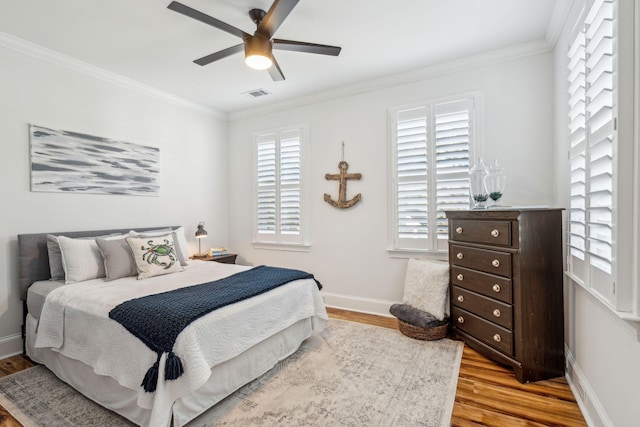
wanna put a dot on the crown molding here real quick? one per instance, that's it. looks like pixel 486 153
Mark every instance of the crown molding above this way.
pixel 476 61
pixel 450 67
pixel 36 51
pixel 558 21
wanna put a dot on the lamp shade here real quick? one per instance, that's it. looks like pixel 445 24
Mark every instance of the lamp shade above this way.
pixel 201 232
pixel 257 53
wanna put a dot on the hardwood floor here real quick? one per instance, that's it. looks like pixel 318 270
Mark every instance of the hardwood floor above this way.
pixel 488 394
pixel 9 366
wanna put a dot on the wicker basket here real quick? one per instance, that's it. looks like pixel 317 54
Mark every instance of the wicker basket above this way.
pixel 427 334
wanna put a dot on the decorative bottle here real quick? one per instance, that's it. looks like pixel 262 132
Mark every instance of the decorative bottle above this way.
pixel 494 183
pixel 479 196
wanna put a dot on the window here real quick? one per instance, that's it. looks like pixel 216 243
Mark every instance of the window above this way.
pixel 279 210
pixel 431 145
pixel 594 213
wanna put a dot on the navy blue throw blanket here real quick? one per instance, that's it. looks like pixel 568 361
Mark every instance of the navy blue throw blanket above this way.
pixel 158 319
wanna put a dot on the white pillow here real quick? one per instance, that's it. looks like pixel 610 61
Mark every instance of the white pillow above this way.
pixel 158 232
pixel 118 260
pixel 55 256
pixel 425 286
pixel 81 259
pixel 154 256
pixel 182 247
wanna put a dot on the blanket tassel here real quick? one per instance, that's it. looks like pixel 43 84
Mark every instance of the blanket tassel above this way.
pixel 173 367
pixel 150 380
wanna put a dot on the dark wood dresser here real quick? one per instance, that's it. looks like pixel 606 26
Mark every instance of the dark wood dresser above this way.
pixel 506 287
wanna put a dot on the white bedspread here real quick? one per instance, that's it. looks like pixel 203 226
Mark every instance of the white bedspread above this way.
pixel 75 321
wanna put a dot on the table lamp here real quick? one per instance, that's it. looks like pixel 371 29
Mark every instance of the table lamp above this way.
pixel 200 233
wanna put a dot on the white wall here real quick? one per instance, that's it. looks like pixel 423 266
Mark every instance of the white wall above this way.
pixel 603 350
pixel 348 253
pixel 193 169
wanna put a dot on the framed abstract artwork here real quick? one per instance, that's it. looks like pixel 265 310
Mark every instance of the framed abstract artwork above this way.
pixel 64 162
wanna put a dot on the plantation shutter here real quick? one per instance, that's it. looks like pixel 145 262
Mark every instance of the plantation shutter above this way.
pixel 599 119
pixel 577 157
pixel 591 160
pixel 290 182
pixel 431 145
pixel 267 194
pixel 412 197
pixel 452 138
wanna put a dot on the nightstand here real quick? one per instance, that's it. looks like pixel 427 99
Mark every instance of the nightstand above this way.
pixel 225 259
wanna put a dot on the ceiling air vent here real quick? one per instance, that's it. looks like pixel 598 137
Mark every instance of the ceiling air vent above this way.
pixel 256 93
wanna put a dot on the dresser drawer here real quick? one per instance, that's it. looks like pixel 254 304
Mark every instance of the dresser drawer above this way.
pixel 485 232
pixel 483 330
pixel 487 308
pixel 486 284
pixel 493 262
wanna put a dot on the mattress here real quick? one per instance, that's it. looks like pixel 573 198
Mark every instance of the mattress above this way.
pixel 38 292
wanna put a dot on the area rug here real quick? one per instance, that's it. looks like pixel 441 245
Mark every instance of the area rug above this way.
pixel 349 375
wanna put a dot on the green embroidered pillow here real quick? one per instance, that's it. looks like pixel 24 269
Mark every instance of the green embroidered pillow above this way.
pixel 154 256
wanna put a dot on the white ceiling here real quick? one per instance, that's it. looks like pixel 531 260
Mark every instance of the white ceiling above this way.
pixel 144 41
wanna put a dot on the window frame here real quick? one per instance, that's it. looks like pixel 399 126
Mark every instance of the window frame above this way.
pixel 278 240
pixel 476 150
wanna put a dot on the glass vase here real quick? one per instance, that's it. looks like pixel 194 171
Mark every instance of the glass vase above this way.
pixel 479 195
pixel 494 183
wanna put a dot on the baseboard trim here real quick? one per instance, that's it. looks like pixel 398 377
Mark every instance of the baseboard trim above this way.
pixel 359 304
pixel 10 345
pixel 591 408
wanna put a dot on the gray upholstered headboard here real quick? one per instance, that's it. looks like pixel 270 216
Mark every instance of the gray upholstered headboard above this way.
pixel 34 257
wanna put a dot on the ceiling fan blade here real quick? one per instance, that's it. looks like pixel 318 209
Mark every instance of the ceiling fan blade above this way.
pixel 220 54
pixel 295 46
pixel 276 15
pixel 195 14
pixel 275 72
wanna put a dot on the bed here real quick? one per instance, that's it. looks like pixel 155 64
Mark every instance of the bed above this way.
pixel 68 328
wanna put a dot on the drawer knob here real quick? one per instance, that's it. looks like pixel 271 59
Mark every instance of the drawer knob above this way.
pixel 459 230
pixel 460 319
pixel 497 338
pixel 496 288
pixel 460 277
pixel 460 298
pixel 459 255
pixel 495 263
pixel 496 313
pixel 495 232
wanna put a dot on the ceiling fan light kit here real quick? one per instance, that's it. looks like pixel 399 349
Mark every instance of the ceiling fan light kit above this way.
pixel 257 47
pixel 257 52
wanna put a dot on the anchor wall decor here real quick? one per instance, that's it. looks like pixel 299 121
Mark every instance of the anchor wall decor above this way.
pixel 342 177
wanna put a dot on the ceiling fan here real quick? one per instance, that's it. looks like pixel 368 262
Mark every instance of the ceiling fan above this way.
pixel 257 47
